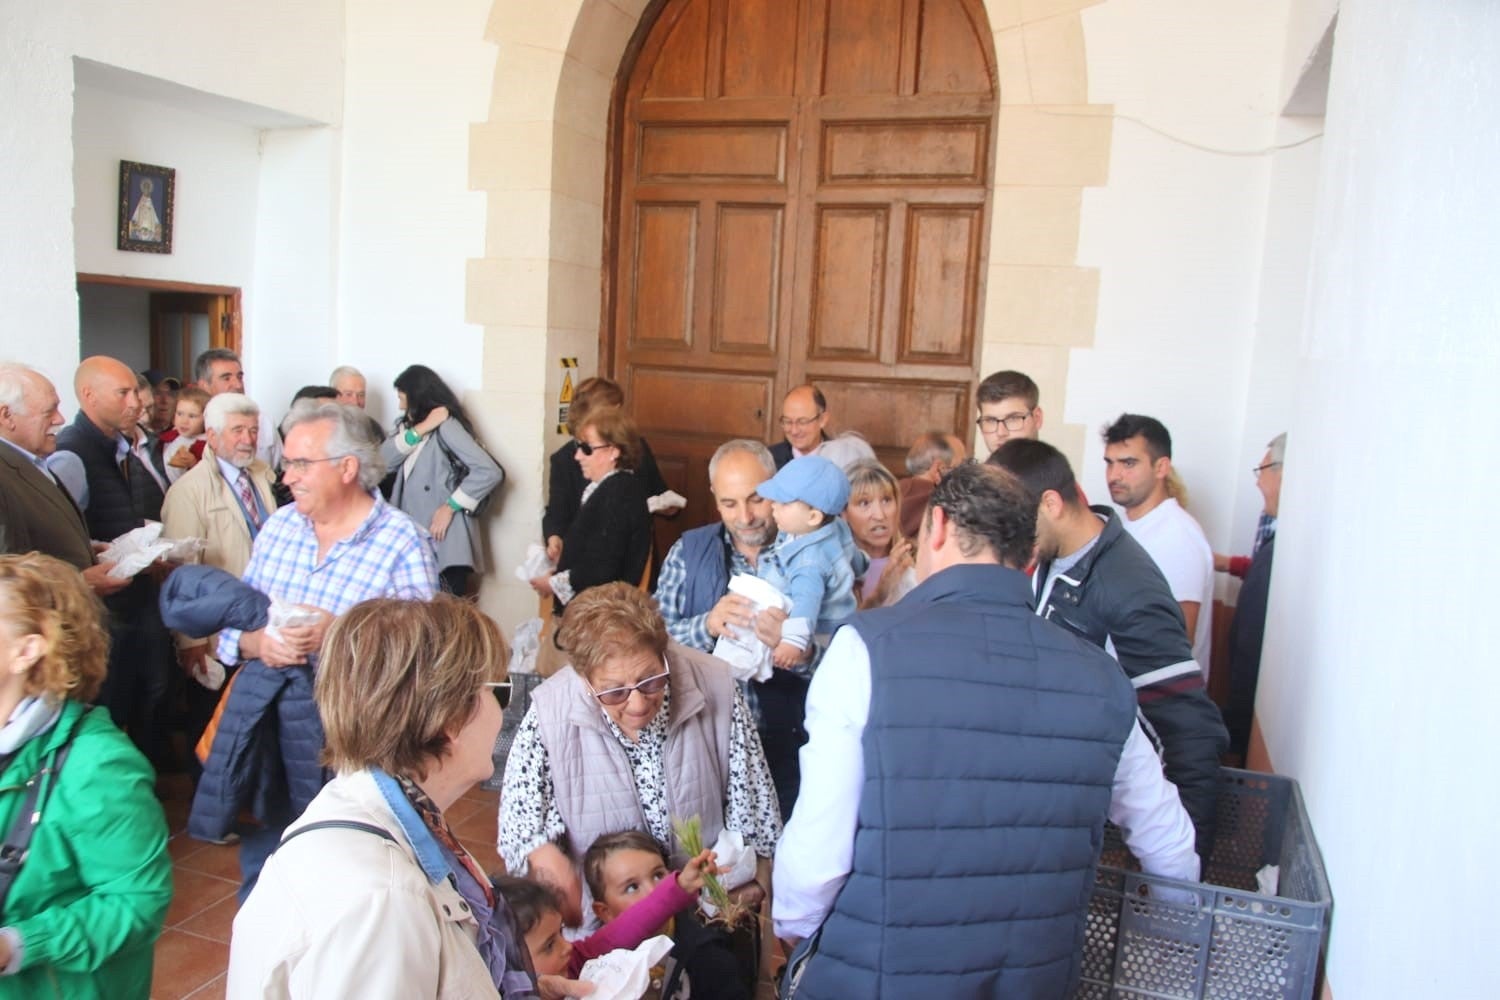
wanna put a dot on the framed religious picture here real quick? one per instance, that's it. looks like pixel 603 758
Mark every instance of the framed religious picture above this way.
pixel 146 207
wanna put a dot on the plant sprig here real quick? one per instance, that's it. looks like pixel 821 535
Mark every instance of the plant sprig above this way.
pixel 690 837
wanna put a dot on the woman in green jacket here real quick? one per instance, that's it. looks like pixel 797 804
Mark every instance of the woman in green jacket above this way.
pixel 86 906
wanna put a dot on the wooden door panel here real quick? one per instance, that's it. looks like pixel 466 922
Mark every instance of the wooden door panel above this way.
pixel 945 63
pixel 891 412
pixel 905 152
pixel 715 406
pixel 666 236
pixel 676 65
pixel 760 54
pixel 801 195
pixel 942 284
pixel 709 154
pixel 848 293
pixel 862 51
pixel 747 279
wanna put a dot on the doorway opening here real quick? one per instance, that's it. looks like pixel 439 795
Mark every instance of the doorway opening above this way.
pixel 150 324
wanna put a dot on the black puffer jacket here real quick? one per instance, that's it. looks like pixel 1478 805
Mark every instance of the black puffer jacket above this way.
pixel 1116 598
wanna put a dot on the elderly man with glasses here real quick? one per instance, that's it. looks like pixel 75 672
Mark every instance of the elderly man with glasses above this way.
pixel 337 544
pixel 804 415
pixel 1247 629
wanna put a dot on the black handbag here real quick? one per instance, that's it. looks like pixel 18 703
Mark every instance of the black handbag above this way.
pixel 458 471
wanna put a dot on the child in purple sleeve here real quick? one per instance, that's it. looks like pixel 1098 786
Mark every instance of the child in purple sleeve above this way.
pixel 635 896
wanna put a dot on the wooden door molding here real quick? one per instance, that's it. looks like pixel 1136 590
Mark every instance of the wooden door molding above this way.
pixel 222 303
pixel 799 192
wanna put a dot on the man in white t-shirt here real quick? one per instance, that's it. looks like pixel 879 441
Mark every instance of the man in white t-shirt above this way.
pixel 1138 468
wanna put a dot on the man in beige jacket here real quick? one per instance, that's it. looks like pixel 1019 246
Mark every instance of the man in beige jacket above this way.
pixel 223 500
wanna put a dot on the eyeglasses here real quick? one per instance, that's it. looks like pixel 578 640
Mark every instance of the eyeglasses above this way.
pixel 648 687
pixel 589 449
pixel 1262 468
pixel 301 465
pixel 1012 421
pixel 800 423
pixel 501 691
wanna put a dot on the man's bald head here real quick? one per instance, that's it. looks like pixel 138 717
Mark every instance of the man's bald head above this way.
pixel 804 414
pixel 106 393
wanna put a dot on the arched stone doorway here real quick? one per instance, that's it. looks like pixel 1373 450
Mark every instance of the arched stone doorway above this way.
pixel 800 195
pixel 541 159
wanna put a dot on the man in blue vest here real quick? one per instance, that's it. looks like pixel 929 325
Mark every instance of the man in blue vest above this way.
pixel 693 592
pixel 963 757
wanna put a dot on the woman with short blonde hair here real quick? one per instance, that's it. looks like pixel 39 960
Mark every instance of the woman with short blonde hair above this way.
pixel 86 906
pixel 873 513
pixel 371 892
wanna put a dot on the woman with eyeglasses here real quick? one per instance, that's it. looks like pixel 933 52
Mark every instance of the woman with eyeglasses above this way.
pixel 609 539
pixel 370 892
pixel 638 732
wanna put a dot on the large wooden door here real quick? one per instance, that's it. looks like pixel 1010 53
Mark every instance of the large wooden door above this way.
pixel 800 192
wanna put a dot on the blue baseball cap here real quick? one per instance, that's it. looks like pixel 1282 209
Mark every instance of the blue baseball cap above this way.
pixel 812 479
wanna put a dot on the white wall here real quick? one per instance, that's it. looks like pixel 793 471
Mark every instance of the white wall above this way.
pixel 218 176
pixel 418 77
pixel 116 322
pixel 1178 231
pixel 1379 684
pixel 282 54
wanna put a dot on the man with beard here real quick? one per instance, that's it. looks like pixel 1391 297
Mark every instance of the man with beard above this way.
pixel 1138 468
pixel 1096 581
pixel 223 500
pixel 693 593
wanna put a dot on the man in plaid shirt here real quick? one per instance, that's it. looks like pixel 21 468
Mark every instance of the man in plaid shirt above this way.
pixel 338 544
pixel 697 606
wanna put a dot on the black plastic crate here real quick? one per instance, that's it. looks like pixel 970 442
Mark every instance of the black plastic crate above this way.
pixel 1220 938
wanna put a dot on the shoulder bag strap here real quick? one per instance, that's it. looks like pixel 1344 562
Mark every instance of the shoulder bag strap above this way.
pixel 336 824
pixel 13 851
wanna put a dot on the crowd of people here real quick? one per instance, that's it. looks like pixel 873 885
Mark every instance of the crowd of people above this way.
pixel 961 675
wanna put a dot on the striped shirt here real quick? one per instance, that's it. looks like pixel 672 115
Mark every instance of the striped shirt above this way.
pixel 388 555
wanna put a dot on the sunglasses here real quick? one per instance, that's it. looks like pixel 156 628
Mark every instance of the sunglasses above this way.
pixel 501 691
pixel 589 449
pixel 650 686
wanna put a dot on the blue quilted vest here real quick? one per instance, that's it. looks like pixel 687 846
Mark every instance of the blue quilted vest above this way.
pixel 703 555
pixel 989 756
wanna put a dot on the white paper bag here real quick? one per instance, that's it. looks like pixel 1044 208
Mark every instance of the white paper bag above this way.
pixel 524 646
pixel 283 615
pixel 670 500
pixel 535 564
pixel 135 550
pixel 625 975
pixel 748 657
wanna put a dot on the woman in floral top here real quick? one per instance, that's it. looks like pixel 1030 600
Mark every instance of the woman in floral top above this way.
pixel 638 732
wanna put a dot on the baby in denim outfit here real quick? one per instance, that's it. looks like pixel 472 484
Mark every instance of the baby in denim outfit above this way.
pixel 813 560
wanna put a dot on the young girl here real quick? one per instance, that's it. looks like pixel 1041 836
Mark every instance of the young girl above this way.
pixel 539 912
pixel 182 446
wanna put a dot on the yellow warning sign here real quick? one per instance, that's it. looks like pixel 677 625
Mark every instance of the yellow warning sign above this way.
pixel 566 395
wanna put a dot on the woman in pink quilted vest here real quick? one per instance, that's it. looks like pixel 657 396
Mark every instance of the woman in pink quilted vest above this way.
pixel 636 733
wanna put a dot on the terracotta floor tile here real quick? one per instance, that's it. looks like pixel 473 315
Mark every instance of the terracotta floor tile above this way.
pixel 193 892
pixel 186 962
pixel 481 825
pixel 214 990
pixel 462 810
pixel 216 922
pixel 214 859
pixel 180 846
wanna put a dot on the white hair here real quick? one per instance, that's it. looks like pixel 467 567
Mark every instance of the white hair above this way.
pixel 226 405
pixel 351 435
pixel 14 379
pixel 345 371
pixel 848 449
